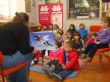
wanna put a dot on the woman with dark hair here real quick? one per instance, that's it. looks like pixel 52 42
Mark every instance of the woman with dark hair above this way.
pixel 15 46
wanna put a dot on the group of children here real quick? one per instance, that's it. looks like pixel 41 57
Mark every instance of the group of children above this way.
pixel 70 46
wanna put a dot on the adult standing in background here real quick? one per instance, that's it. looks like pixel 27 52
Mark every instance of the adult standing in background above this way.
pixel 15 46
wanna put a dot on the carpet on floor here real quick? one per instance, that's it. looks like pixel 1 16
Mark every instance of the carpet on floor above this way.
pixel 39 69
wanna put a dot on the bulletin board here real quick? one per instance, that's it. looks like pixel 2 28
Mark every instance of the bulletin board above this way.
pixel 84 9
pixel 51 13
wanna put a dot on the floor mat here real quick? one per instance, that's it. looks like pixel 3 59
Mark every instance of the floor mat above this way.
pixel 39 69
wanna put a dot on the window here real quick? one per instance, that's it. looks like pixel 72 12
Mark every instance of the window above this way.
pixel 7 9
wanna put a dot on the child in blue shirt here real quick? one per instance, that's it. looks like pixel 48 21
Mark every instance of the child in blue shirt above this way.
pixel 82 31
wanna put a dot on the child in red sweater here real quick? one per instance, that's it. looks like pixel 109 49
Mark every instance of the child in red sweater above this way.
pixel 55 57
pixel 70 62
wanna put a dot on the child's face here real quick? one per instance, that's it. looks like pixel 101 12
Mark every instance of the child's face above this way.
pixel 50 26
pixel 81 26
pixel 66 47
pixel 71 27
pixel 76 37
pixel 65 37
pixel 93 37
pixel 56 46
pixel 55 28
pixel 45 27
pixel 104 25
pixel 68 34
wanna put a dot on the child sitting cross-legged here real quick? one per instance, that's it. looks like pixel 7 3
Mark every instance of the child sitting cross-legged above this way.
pixel 78 43
pixel 55 57
pixel 69 65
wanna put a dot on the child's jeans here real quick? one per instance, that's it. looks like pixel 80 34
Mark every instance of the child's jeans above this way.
pixel 63 73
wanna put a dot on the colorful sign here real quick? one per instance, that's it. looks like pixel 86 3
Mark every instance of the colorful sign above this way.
pixel 42 40
pixel 44 14
pixel 84 8
pixel 51 13
pixel 57 14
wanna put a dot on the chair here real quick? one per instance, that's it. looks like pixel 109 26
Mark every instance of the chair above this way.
pixel 5 72
pixel 96 28
pixel 101 53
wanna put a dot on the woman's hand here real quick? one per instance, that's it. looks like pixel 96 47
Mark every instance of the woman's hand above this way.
pixel 98 42
pixel 109 45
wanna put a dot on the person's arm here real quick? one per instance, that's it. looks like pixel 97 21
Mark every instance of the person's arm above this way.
pixel 107 38
pixel 61 57
pixel 51 55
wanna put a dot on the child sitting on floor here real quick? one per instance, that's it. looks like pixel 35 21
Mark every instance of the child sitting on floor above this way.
pixel 78 43
pixel 71 62
pixel 82 31
pixel 54 57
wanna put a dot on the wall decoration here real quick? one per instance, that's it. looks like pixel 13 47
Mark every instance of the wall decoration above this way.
pixel 57 14
pixel 44 14
pixel 51 13
pixel 84 8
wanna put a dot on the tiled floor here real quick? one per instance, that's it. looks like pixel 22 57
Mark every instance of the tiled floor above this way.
pixel 87 74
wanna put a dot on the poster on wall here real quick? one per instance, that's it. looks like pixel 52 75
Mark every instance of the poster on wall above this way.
pixel 57 14
pixel 84 8
pixel 51 13
pixel 52 1
pixel 44 14
pixel 42 40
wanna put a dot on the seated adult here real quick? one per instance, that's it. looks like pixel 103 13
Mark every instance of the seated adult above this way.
pixel 14 44
pixel 102 40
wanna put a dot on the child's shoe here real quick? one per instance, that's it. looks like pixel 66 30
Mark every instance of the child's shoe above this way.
pixel 52 67
pixel 46 61
pixel 83 56
pixel 58 77
pixel 46 67
pixel 32 62
pixel 87 60
pixel 49 74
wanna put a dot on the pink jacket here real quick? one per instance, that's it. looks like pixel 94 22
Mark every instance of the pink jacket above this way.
pixel 89 41
pixel 57 54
